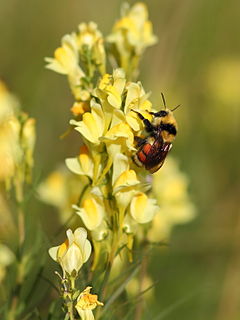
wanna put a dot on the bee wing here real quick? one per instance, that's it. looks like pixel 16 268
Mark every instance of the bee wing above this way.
pixel 157 155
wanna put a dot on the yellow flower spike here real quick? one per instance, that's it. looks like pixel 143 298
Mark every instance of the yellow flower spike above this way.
pixel 142 208
pixel 131 35
pixel 74 252
pixel 91 212
pixel 92 125
pixel 139 29
pixel 87 302
pixel 83 164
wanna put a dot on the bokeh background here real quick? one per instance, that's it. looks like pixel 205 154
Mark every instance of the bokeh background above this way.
pixel 196 64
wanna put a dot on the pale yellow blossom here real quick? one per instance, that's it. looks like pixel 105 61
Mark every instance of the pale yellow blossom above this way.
pixel 119 139
pixel 142 208
pixel 87 302
pixel 83 164
pixel 66 57
pixel 92 125
pixel 74 252
pixel 92 211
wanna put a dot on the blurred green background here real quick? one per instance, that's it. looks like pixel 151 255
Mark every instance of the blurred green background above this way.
pixel 196 64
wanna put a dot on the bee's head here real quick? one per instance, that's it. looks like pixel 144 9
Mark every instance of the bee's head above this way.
pixel 162 113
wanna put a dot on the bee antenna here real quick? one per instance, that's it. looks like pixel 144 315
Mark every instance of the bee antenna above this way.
pixel 164 101
pixel 176 107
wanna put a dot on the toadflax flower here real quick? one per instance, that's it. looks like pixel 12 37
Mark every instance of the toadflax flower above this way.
pixel 86 303
pixel 131 35
pixel 90 44
pixel 73 252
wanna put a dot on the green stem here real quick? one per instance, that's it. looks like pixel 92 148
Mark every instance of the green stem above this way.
pixel 140 306
pixel 70 302
pixel 20 266
pixel 20 213
pixel 107 271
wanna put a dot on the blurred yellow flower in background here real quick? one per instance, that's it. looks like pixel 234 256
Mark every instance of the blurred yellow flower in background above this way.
pixel 61 189
pixel 17 142
pixel 6 258
pixel 169 186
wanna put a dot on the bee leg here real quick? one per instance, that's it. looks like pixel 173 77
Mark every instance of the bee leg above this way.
pixel 156 114
pixel 139 141
pixel 147 123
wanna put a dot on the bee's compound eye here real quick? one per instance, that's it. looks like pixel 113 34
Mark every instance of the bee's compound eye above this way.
pixel 162 113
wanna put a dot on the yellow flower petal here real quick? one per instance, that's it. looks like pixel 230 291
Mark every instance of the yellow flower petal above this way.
pixel 73 252
pixel 143 208
pixel 127 179
pixel 92 125
pixel 83 164
pixel 91 212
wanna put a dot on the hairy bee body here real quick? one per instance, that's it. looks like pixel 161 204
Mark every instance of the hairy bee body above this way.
pixel 153 149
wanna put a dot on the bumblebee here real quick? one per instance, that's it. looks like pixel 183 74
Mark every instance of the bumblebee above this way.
pixel 161 131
